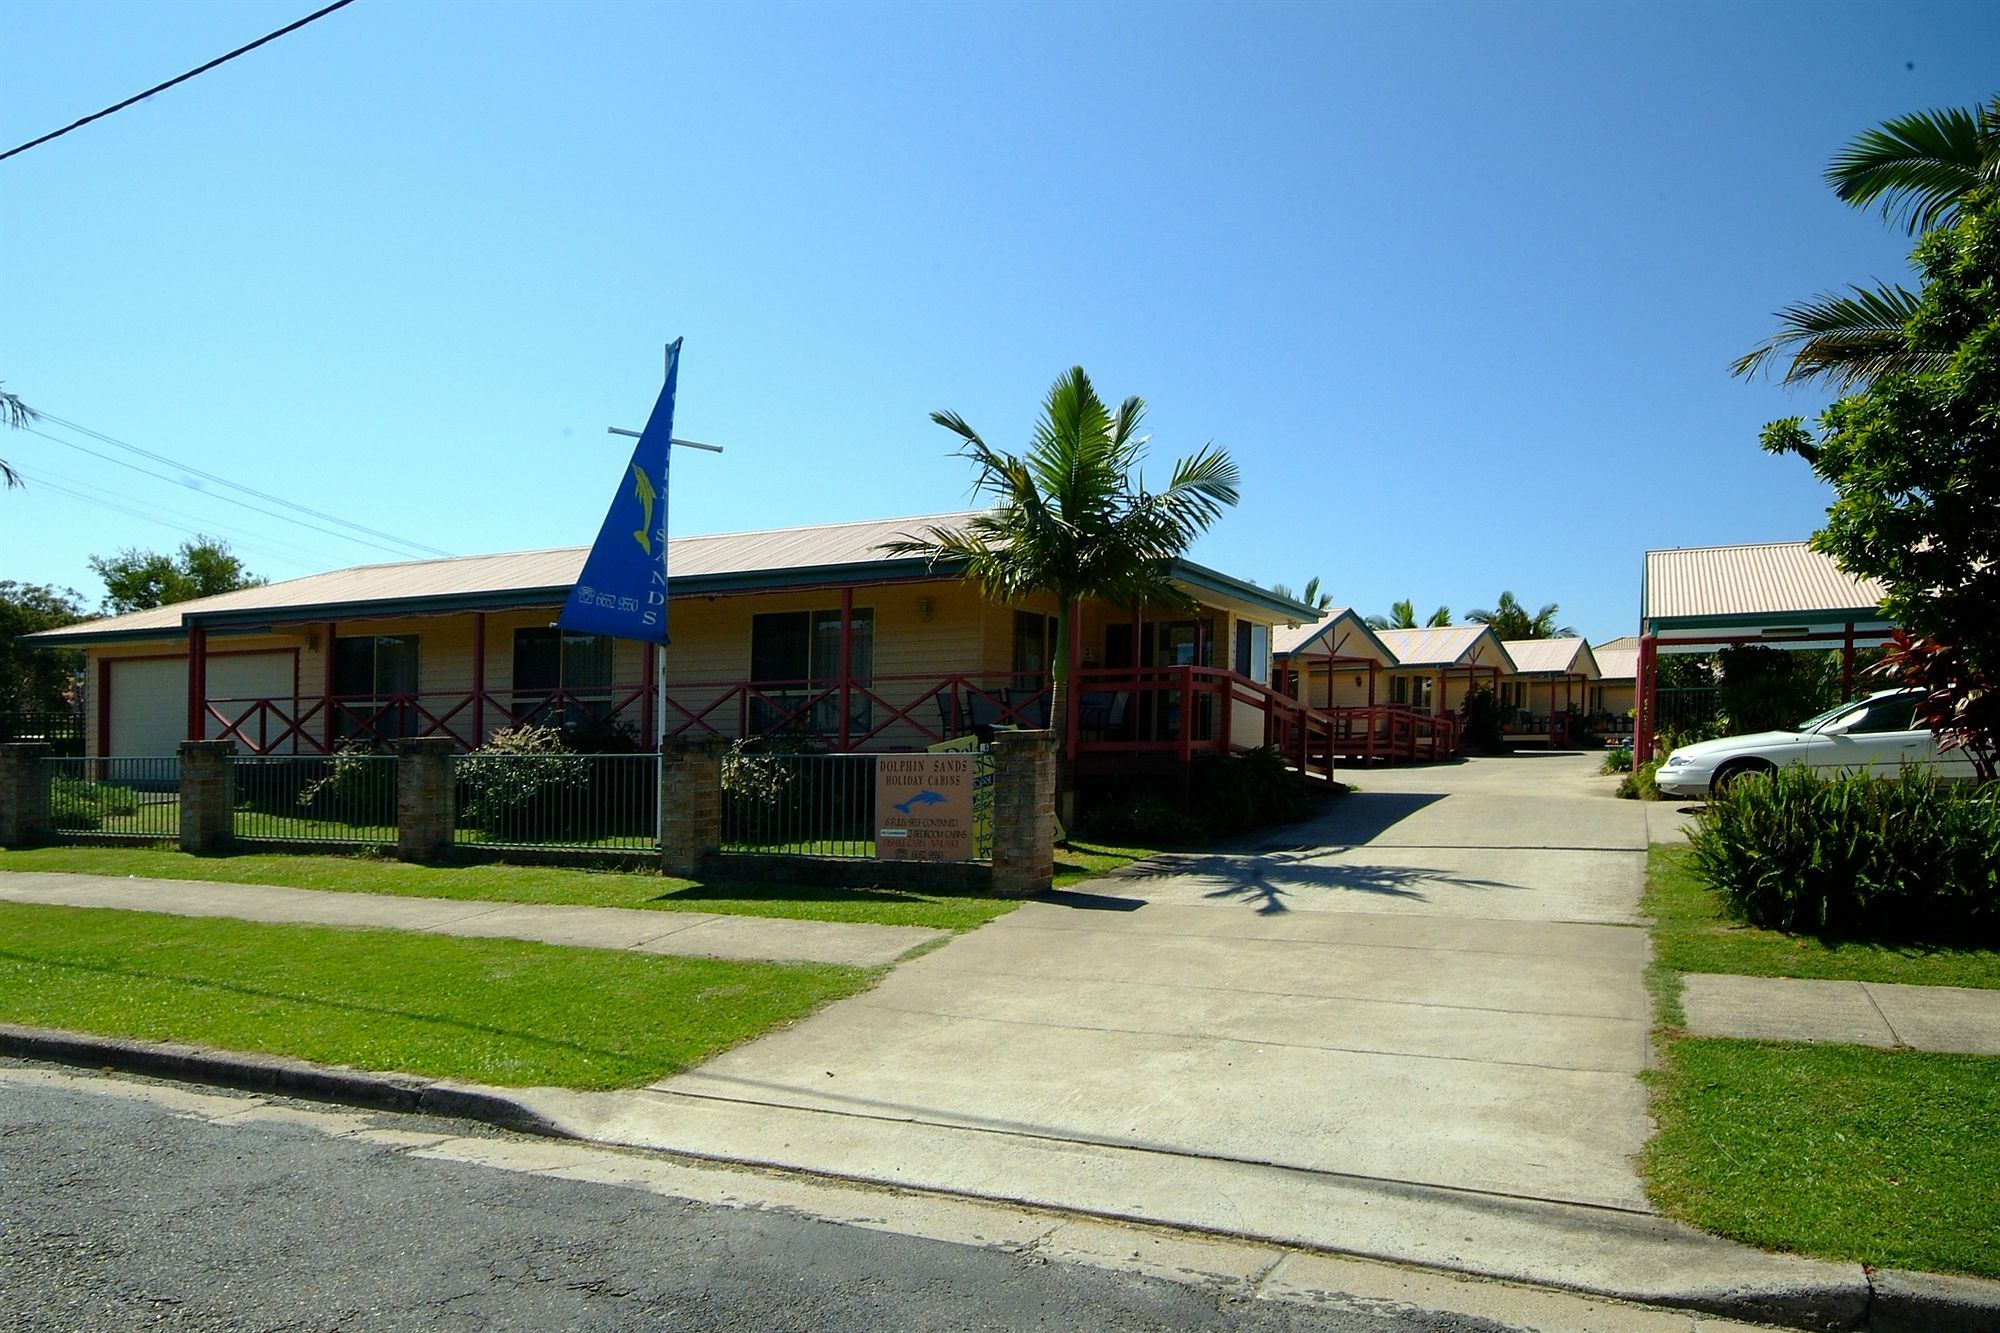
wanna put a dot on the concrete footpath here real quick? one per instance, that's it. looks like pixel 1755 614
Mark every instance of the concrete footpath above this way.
pixel 687 934
pixel 1954 1019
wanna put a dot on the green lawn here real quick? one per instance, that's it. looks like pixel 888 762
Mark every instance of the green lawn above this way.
pixel 638 888
pixel 490 1011
pixel 1845 1152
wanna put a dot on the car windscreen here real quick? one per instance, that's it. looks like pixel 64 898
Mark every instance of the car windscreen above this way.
pixel 1819 720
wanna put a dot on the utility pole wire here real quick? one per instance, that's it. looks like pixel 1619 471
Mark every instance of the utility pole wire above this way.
pixel 160 88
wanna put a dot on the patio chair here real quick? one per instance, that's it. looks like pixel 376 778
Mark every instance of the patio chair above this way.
pixel 947 707
pixel 1031 707
pixel 981 711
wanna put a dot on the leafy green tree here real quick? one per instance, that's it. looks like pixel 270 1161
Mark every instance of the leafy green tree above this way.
pixel 36 679
pixel 1312 596
pixel 1510 620
pixel 1921 168
pixel 136 580
pixel 1403 615
pixel 1914 462
pixel 1072 517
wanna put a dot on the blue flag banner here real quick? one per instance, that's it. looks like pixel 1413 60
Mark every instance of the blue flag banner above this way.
pixel 623 589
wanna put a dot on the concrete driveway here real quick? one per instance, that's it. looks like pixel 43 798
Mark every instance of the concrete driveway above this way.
pixel 1410 1028
pixel 1436 983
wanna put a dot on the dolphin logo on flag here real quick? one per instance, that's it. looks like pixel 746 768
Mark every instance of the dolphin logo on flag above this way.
pixel 623 589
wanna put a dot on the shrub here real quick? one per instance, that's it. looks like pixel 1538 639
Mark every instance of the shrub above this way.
pixel 1480 716
pixel 1142 819
pixel 509 781
pixel 1914 858
pixel 1249 790
pixel 80 806
pixel 359 787
pixel 1618 760
pixel 1639 785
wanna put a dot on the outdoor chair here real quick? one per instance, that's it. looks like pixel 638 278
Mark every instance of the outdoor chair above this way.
pixel 1031 707
pixel 947 707
pixel 981 711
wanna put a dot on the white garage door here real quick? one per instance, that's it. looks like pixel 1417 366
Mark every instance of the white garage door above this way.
pixel 148 707
pixel 149 700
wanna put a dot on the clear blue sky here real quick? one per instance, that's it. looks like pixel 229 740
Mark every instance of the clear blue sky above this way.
pixel 1457 284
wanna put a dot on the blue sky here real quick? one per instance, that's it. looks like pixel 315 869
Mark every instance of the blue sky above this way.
pixel 1456 284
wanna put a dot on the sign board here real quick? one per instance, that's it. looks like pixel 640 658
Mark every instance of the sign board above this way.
pixel 924 807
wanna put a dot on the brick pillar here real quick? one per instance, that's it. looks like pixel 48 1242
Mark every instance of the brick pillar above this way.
pixel 24 793
pixel 690 804
pixel 208 795
pixel 1024 812
pixel 426 797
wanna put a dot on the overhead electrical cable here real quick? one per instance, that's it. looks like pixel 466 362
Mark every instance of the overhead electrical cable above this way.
pixel 181 78
pixel 226 499
pixel 271 545
pixel 42 482
pixel 113 440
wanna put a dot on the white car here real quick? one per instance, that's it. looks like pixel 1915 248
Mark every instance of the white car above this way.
pixel 1875 735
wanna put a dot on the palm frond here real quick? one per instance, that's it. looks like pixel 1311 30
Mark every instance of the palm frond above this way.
pixel 1842 340
pixel 1920 166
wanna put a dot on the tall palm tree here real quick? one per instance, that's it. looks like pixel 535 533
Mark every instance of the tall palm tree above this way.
pixel 1510 620
pixel 1072 516
pixel 1920 168
pixel 1403 615
pixel 1312 596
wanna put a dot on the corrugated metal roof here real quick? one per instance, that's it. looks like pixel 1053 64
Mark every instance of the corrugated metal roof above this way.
pixel 530 573
pixel 1775 578
pixel 1618 659
pixel 1338 630
pixel 1554 657
pixel 1441 645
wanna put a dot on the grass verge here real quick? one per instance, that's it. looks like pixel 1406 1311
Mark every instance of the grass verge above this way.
pixel 501 1012
pixel 1844 1152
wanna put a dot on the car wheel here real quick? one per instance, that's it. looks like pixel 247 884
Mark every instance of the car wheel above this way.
pixel 1726 776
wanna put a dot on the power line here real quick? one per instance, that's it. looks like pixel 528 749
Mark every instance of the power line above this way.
pixel 226 499
pixel 41 479
pixel 160 88
pixel 238 486
pixel 276 547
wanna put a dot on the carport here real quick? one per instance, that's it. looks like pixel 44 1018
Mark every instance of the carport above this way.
pixel 1776 594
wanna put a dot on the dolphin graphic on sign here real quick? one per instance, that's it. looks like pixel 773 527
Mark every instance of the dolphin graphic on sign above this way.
pixel 642 487
pixel 924 797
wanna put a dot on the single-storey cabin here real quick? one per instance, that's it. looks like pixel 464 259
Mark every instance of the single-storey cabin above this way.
pixel 809 632
pixel 1393 694
pixel 1551 680
pixel 1614 696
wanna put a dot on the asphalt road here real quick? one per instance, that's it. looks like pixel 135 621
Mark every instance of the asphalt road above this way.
pixel 118 1214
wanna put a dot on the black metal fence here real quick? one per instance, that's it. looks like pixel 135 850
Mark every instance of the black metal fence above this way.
pixel 559 801
pixel 344 798
pixel 138 799
pixel 821 805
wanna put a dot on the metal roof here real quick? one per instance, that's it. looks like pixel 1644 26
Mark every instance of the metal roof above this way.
pixel 1338 630
pixel 1727 585
pixel 1442 646
pixel 1552 657
pixel 1618 659
pixel 724 562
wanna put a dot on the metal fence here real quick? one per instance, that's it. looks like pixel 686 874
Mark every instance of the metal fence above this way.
pixel 342 798
pixel 820 805
pixel 115 798
pixel 559 801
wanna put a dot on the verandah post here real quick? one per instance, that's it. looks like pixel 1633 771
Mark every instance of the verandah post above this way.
pixel 846 668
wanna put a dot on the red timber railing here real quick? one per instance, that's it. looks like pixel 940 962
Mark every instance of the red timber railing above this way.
pixel 1393 733
pixel 1170 712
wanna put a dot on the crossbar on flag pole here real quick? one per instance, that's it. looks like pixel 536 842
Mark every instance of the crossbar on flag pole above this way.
pixel 685 444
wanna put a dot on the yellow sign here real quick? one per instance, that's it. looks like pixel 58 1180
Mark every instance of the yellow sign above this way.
pixel 924 807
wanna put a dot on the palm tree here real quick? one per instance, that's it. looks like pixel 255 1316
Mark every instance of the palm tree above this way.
pixel 1403 615
pixel 1312 596
pixel 1510 620
pixel 1920 167
pixel 20 416
pixel 1072 516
